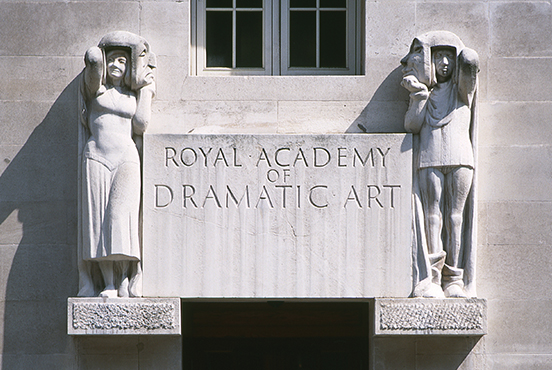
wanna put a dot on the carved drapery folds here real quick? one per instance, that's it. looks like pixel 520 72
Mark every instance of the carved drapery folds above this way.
pixel 441 75
pixel 116 89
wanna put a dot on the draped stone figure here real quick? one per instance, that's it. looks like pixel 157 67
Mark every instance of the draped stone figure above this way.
pixel 116 89
pixel 441 75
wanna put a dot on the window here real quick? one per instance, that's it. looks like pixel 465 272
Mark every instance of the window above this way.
pixel 273 37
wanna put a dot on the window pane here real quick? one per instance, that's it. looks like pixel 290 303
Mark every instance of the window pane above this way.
pixel 302 38
pixel 249 39
pixel 219 3
pixel 333 3
pixel 302 3
pixel 333 39
pixel 249 3
pixel 219 39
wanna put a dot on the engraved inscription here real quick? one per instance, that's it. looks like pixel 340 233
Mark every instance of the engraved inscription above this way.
pixel 277 215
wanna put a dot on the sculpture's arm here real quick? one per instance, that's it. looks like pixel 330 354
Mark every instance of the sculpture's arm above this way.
pixel 93 71
pixel 419 93
pixel 468 67
pixel 141 118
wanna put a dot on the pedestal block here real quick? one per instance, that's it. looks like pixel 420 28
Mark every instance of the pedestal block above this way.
pixel 423 316
pixel 123 316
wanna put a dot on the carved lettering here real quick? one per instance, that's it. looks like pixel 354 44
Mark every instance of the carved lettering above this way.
pixel 235 200
pixel 263 157
pixel 353 196
pixel 186 196
pixel 163 197
pixel 211 194
pixel 317 205
pixel 205 155
pixel 374 195
pixel 220 157
pixel 169 154
pixel 316 150
pixel 185 154
pixel 264 196
pixel 277 159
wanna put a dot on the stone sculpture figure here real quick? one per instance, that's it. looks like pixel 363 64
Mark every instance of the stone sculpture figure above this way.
pixel 441 76
pixel 117 86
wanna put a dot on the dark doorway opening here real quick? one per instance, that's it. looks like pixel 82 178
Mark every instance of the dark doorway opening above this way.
pixel 275 335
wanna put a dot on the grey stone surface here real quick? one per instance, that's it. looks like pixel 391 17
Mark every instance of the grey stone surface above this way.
pixel 430 316
pixel 32 32
pixel 514 22
pixel 41 55
pixel 301 232
pixel 123 316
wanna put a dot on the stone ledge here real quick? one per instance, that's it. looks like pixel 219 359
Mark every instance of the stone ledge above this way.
pixel 422 316
pixel 123 316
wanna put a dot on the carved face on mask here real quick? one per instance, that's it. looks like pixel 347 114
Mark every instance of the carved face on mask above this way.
pixel 141 61
pixel 421 61
pixel 145 64
pixel 414 63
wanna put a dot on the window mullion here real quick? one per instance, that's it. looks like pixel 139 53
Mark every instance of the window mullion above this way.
pixel 317 33
pixel 234 46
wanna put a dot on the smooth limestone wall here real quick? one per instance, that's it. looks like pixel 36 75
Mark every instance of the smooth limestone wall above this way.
pixel 41 48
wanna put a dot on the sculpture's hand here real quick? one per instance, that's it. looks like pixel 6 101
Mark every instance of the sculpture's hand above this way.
pixel 149 86
pixel 93 56
pixel 412 84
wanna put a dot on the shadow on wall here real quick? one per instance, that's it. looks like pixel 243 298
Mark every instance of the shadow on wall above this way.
pixel 38 193
pixel 386 109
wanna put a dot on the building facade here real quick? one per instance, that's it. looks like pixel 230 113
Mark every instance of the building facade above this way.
pixel 232 67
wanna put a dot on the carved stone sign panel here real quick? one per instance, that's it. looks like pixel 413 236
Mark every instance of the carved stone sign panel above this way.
pixel 277 215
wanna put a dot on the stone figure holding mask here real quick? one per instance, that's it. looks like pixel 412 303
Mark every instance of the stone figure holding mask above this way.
pixel 116 90
pixel 441 76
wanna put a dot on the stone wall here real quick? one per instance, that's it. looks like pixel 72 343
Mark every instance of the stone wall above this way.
pixel 42 44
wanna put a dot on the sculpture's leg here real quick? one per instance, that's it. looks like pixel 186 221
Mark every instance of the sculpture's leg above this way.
pixel 135 287
pixel 108 275
pixel 431 287
pixel 458 185
pixel 86 285
pixel 123 286
pixel 431 188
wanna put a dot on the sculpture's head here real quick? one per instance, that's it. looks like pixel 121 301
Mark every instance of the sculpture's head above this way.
pixel 430 50
pixel 116 61
pixel 139 70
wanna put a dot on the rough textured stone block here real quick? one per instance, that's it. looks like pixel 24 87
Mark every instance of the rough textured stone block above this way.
pixel 123 316
pixel 430 316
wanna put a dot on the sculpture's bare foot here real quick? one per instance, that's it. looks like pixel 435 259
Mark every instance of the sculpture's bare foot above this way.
pixel 109 292
pixel 455 291
pixel 123 288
